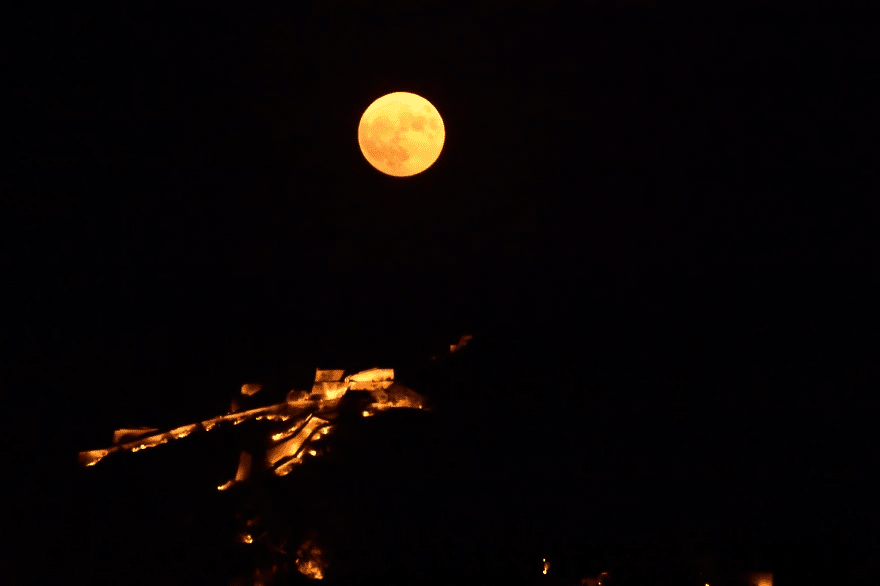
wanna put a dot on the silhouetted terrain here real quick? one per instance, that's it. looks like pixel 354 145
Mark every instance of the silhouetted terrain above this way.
pixel 655 228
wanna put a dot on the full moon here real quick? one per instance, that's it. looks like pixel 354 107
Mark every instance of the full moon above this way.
pixel 401 134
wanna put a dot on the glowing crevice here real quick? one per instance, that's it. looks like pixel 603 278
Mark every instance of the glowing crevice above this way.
pixel 293 445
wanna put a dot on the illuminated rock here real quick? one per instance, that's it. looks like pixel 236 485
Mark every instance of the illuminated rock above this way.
pixel 121 436
pixel 373 374
pixel 398 396
pixel 92 457
pixel 329 390
pixel 328 376
pixel 244 467
pixel 370 385
pixel 292 446
pixel 297 398
pixel 250 389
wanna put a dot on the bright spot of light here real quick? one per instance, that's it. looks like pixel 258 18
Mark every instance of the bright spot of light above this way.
pixel 366 413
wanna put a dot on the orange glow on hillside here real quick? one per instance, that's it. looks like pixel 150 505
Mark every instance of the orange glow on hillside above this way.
pixel 759 579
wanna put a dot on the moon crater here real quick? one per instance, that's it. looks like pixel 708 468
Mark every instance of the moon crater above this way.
pixel 401 134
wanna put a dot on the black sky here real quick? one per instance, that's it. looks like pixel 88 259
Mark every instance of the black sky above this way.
pixel 660 223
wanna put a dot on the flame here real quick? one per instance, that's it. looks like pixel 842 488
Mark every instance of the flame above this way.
pixel 246 538
pixel 278 436
pixel 225 486
pixel 546 565
pixel 366 414
pixel 313 452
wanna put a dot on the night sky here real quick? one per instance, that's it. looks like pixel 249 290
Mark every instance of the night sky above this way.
pixel 656 228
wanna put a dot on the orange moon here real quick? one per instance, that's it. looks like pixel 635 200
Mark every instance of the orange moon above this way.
pixel 401 134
